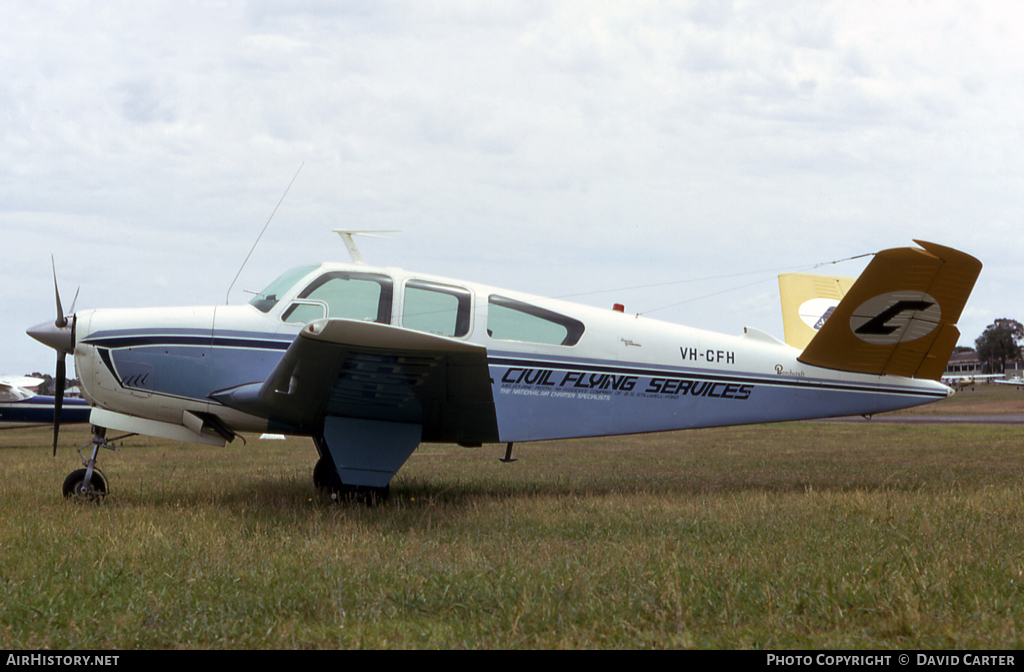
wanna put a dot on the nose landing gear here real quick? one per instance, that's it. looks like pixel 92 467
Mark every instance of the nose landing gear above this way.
pixel 89 484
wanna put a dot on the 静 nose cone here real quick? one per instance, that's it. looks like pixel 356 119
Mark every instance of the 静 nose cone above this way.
pixel 61 339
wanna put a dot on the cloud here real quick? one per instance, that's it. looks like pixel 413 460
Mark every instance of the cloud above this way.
pixel 553 147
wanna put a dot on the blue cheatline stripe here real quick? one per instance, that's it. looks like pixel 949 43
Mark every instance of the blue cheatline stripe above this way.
pixel 39 410
pixel 698 374
pixel 194 341
pixel 147 337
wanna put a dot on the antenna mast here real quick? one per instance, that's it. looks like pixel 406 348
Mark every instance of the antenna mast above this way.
pixel 350 244
pixel 228 295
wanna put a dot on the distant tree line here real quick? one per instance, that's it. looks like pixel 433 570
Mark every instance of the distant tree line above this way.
pixel 48 387
pixel 999 343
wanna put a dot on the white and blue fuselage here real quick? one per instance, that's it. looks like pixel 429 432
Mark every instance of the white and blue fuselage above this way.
pixel 556 369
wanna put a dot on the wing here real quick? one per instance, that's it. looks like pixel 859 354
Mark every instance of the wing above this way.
pixel 899 318
pixel 10 382
pixel 12 389
pixel 365 370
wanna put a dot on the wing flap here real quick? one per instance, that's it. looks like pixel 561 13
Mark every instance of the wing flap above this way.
pixel 900 316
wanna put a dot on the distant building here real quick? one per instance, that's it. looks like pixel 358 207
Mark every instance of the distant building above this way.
pixel 967 364
pixel 963 364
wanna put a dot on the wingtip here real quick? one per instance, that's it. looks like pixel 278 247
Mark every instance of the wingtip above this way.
pixel 948 253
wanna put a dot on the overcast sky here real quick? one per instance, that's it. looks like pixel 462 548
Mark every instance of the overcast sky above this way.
pixel 558 148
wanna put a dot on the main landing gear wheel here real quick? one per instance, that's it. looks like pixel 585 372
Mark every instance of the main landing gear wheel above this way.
pixel 323 473
pixel 75 488
pixel 325 478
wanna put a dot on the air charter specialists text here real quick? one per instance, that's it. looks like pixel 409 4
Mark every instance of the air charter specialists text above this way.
pixel 919 659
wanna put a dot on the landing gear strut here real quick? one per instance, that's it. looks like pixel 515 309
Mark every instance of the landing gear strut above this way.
pixel 89 484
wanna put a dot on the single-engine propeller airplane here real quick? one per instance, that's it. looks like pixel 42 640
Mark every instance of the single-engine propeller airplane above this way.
pixel 959 382
pixel 1019 382
pixel 371 361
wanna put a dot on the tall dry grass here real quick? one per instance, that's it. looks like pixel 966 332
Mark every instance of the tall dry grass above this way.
pixel 820 535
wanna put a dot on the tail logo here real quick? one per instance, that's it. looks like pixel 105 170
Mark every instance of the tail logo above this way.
pixel 824 318
pixel 815 312
pixel 896 317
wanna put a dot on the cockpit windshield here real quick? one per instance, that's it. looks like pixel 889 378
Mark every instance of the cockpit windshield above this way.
pixel 269 297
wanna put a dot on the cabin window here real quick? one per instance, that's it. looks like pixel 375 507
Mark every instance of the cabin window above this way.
pixel 511 320
pixel 436 309
pixel 345 295
pixel 268 298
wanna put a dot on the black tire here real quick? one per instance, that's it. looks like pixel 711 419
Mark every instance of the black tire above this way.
pixel 72 487
pixel 326 479
pixel 323 472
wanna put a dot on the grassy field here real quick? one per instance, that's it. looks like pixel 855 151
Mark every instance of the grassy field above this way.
pixel 797 535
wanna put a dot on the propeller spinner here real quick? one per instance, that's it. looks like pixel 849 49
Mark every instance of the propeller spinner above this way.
pixel 59 335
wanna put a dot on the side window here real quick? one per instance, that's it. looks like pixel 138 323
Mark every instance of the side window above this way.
pixel 346 295
pixel 511 320
pixel 436 309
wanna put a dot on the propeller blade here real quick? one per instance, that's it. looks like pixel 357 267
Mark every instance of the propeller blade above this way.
pixel 61 321
pixel 58 398
pixel 61 337
pixel 74 301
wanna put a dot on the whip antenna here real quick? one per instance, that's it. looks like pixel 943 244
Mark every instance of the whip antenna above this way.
pixel 228 296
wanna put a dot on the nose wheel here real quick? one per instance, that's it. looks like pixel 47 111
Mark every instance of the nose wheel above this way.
pixel 89 484
pixel 76 486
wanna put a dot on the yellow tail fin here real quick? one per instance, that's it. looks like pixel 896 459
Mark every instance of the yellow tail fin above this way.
pixel 900 316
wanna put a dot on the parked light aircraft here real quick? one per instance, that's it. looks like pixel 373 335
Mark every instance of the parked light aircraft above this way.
pixel 962 381
pixel 20 407
pixel 1019 382
pixel 372 361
